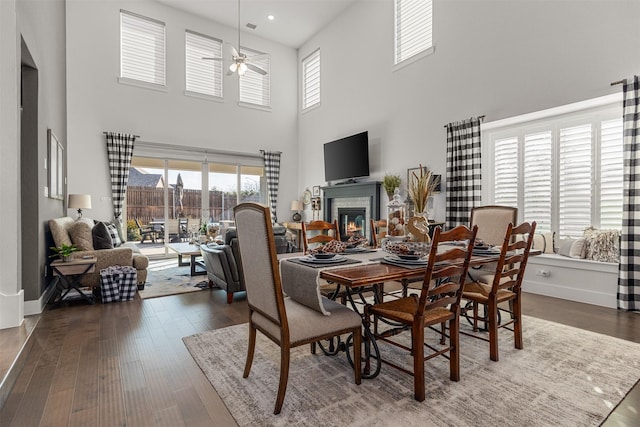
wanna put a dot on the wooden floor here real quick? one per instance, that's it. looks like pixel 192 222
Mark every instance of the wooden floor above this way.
pixel 124 364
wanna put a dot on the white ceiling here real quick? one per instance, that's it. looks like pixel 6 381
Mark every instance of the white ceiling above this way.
pixel 295 20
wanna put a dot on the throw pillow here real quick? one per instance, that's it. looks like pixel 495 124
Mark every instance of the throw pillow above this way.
pixel 80 233
pixel 115 237
pixel 578 248
pixel 602 245
pixel 60 230
pixel 565 246
pixel 538 242
pixel 544 242
pixel 101 237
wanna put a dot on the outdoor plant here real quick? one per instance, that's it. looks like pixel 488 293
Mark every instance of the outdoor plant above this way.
pixel 63 251
pixel 390 182
pixel 133 232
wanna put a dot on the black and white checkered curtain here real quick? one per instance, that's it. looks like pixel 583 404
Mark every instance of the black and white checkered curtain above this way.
pixel 119 153
pixel 629 270
pixel 463 170
pixel 272 172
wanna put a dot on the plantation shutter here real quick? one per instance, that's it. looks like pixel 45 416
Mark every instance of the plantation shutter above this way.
pixel 413 28
pixel 142 48
pixel 611 168
pixel 256 88
pixel 203 75
pixel 311 80
pixel 537 180
pixel 575 180
pixel 506 172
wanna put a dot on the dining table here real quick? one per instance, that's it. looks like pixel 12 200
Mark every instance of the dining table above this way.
pixel 355 272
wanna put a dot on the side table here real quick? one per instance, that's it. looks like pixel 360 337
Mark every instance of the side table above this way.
pixel 69 274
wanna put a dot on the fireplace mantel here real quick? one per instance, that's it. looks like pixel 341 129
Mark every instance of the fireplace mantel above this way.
pixel 368 189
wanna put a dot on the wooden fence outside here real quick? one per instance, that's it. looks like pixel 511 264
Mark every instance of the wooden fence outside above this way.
pixel 147 204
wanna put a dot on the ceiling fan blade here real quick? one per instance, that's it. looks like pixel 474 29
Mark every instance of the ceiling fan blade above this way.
pixel 234 52
pixel 256 69
pixel 259 56
pixel 212 58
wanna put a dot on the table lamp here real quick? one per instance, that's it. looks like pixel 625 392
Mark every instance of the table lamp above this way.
pixel 79 201
pixel 296 205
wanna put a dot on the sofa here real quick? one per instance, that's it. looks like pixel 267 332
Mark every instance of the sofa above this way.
pixel 222 261
pixel 102 240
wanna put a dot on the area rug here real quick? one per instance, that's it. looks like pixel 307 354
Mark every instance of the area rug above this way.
pixel 164 277
pixel 564 376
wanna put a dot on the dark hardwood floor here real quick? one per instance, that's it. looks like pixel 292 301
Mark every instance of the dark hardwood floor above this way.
pixel 124 364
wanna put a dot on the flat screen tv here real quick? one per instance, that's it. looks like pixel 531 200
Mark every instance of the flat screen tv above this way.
pixel 347 158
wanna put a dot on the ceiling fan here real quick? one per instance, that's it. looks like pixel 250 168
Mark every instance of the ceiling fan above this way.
pixel 240 61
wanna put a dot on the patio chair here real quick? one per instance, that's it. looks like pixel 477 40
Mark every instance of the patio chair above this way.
pixel 145 231
pixel 284 321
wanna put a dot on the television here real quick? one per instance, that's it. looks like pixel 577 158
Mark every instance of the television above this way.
pixel 347 158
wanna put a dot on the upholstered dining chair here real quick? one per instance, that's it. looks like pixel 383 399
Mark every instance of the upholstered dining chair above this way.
pixel 505 287
pixel 438 304
pixel 322 232
pixel 284 321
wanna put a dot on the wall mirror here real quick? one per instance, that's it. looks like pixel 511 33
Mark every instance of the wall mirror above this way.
pixel 55 166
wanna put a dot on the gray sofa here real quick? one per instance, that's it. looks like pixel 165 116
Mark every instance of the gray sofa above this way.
pixel 222 262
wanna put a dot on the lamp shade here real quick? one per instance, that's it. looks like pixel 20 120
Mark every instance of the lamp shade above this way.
pixel 296 205
pixel 80 201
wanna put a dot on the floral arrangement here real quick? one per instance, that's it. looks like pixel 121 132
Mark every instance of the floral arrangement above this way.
pixel 421 187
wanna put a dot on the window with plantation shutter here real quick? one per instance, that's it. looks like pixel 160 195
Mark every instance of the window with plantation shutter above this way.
pixel 413 28
pixel 537 180
pixel 611 167
pixel 311 80
pixel 563 171
pixel 203 76
pixel 254 87
pixel 575 172
pixel 506 172
pixel 142 48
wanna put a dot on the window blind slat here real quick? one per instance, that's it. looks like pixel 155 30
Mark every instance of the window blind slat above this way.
pixel 203 76
pixel 413 28
pixel 142 49
pixel 311 80
pixel 256 88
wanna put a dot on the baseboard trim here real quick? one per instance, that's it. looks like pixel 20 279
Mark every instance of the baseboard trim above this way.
pixel 10 378
pixel 36 306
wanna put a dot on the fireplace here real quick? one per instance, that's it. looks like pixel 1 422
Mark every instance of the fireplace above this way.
pixel 361 199
pixel 352 222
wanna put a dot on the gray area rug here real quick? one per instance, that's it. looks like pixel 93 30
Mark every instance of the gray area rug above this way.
pixel 164 277
pixel 564 377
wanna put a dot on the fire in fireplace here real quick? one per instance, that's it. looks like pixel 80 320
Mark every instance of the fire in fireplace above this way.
pixel 352 222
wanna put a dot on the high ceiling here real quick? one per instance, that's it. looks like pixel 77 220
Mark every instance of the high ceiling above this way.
pixel 295 21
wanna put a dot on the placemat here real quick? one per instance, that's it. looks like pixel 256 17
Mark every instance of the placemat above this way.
pixel 346 261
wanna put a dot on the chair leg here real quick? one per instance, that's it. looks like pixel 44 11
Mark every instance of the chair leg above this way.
pixel 357 355
pixel 492 314
pixel 517 326
pixel 250 350
pixel 454 354
pixel 313 348
pixel 229 297
pixel 284 377
pixel 417 342
pixel 475 316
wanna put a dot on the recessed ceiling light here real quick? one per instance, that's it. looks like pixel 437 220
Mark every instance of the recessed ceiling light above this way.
pixel 271 17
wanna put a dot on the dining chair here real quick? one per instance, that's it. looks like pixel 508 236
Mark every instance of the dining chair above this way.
pixel 284 321
pixel 378 232
pixel 172 229
pixel 323 232
pixel 437 304
pixel 506 286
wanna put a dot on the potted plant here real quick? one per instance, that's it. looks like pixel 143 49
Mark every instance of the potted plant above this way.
pixel 421 187
pixel 390 182
pixel 64 252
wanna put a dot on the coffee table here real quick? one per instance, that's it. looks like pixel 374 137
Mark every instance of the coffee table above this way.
pixel 190 250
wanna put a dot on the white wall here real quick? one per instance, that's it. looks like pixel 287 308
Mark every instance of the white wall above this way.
pixel 97 102
pixel 493 58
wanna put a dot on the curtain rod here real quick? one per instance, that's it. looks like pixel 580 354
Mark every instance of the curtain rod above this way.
pixel 619 82
pixel 135 136
pixel 479 117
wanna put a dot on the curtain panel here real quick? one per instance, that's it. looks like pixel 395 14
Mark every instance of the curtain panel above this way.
pixel 119 153
pixel 463 170
pixel 629 268
pixel 272 173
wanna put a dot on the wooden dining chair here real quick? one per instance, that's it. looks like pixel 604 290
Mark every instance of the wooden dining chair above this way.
pixel 378 231
pixel 322 232
pixel 506 287
pixel 285 322
pixel 438 304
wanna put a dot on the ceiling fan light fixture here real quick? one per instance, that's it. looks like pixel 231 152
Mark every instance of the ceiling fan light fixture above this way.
pixel 242 68
pixel 233 67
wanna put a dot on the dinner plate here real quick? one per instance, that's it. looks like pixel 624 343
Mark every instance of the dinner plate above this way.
pixel 356 250
pixel 311 260
pixel 489 251
pixel 398 260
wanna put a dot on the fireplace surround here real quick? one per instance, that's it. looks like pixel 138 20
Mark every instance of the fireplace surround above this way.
pixel 360 195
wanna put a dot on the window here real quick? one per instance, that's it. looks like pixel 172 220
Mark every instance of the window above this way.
pixel 311 80
pixel 255 88
pixel 413 28
pixel 564 172
pixel 203 76
pixel 142 48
